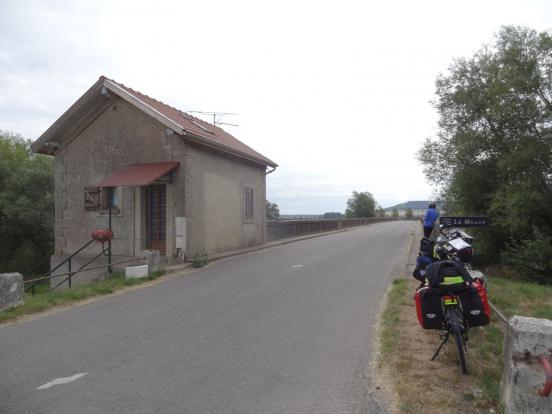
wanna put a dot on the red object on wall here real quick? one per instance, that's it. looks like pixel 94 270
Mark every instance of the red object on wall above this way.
pixel 482 291
pixel 102 235
pixel 545 391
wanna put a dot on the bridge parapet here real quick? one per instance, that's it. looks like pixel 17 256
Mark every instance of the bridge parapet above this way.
pixel 527 348
pixel 11 290
pixel 291 228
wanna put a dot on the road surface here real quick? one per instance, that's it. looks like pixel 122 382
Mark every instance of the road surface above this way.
pixel 282 330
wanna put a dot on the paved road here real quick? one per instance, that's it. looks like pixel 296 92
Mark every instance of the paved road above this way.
pixel 284 330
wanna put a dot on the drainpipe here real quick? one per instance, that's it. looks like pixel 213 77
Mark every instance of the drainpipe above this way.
pixel 109 198
pixel 271 171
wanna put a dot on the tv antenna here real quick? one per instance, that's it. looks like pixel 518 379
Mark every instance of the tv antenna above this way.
pixel 216 116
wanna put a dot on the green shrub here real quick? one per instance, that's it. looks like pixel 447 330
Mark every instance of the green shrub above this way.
pixel 531 258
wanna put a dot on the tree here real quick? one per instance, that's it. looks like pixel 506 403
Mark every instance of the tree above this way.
pixel 380 212
pixel 26 207
pixel 332 215
pixel 272 211
pixel 493 153
pixel 408 213
pixel 360 205
pixel 395 213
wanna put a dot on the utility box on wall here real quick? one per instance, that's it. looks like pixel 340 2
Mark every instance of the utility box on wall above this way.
pixel 180 235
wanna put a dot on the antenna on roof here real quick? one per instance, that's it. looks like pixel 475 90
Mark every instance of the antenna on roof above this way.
pixel 216 121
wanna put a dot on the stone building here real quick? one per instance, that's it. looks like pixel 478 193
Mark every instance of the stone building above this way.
pixel 180 185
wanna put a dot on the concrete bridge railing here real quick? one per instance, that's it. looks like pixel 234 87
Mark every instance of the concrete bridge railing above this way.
pixel 526 384
pixel 276 229
pixel 11 290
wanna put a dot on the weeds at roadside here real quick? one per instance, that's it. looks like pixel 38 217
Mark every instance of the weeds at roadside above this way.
pixel 199 261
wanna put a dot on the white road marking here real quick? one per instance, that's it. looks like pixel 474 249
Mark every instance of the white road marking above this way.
pixel 61 381
pixel 297 266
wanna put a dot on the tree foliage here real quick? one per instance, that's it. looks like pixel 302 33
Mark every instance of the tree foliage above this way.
pixel 380 212
pixel 272 211
pixel 360 205
pixel 409 213
pixel 493 153
pixel 26 207
pixel 395 213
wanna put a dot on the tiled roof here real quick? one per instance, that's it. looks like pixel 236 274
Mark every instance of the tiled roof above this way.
pixel 196 126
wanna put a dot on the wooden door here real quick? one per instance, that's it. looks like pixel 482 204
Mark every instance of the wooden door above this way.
pixel 156 218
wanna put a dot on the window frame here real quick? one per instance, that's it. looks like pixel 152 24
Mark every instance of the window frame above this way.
pixel 117 195
pixel 249 203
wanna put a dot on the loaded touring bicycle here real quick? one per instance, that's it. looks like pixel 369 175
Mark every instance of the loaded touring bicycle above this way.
pixel 451 298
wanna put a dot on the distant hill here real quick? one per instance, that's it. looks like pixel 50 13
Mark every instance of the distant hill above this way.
pixel 414 205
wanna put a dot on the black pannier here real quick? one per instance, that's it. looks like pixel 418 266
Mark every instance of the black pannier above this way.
pixel 426 246
pixel 472 305
pixel 438 271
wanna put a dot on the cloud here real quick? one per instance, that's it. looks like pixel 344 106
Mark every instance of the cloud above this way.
pixel 338 95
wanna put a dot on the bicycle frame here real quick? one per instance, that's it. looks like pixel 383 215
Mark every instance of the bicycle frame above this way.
pixel 455 325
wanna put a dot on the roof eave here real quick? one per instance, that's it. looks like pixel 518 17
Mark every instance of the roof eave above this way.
pixel 40 146
pixel 223 148
pixel 127 96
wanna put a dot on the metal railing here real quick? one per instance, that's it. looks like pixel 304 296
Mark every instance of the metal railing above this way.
pixel 73 273
pixel 278 229
pixel 49 273
pixel 105 251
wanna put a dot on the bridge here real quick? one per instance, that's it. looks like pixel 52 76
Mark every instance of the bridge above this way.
pixel 286 329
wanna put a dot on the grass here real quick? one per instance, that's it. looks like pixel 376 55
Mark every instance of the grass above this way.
pixel 390 321
pixel 515 297
pixel 405 350
pixel 44 300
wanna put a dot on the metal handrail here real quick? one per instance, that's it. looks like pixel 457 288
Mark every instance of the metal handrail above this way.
pixel 70 276
pixel 499 313
pixel 59 265
pixel 83 270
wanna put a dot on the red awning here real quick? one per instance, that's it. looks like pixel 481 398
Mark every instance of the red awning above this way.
pixel 137 174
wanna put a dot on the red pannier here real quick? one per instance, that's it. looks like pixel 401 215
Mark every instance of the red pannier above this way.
pixel 429 308
pixel 475 304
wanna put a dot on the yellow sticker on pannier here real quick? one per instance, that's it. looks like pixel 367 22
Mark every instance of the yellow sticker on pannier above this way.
pixel 452 280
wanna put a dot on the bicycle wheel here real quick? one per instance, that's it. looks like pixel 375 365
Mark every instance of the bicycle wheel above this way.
pixel 459 339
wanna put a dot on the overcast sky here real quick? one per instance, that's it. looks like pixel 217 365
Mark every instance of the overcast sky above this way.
pixel 337 93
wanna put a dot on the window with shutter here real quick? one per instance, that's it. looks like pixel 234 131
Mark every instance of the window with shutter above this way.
pixel 92 198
